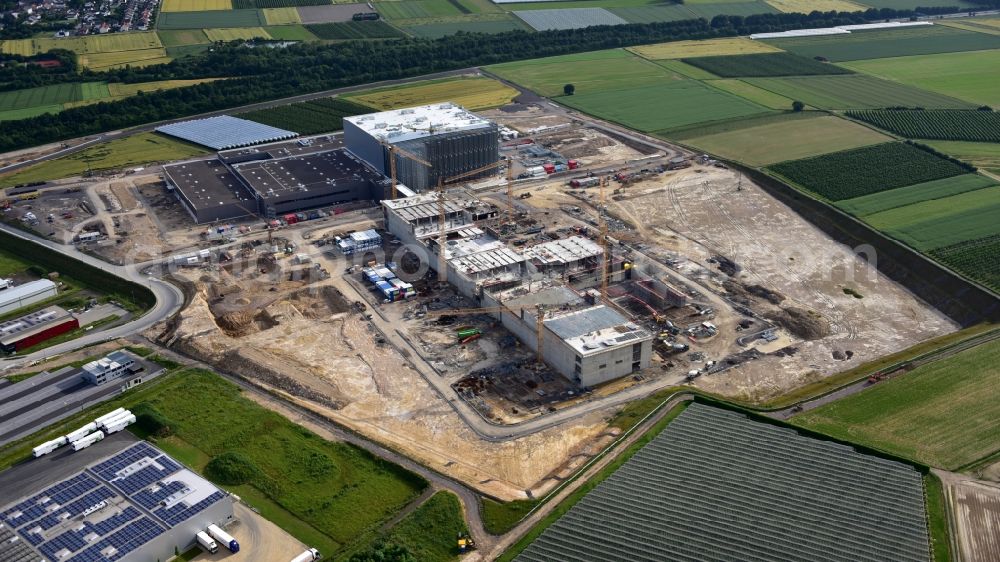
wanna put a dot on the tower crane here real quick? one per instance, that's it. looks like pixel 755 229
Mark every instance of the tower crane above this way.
pixel 510 180
pixel 605 251
pixel 393 151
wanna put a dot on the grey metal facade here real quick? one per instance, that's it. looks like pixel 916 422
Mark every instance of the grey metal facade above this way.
pixel 450 154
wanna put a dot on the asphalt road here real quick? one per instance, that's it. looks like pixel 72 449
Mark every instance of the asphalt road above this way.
pixel 168 301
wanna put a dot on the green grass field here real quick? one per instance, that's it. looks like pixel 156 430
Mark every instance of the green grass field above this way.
pixel 937 223
pixel 586 71
pixel 863 171
pixel 413 9
pixel 11 264
pixel 434 30
pixel 227 34
pixel 651 14
pixel 210 18
pixel 914 4
pixel 888 43
pixel 182 37
pixel 984 155
pixel 52 95
pixel 778 141
pixel 902 196
pixel 308 117
pixel 135 150
pixel 290 33
pixel 764 64
pixel 641 108
pixel 855 92
pixel 959 75
pixel 354 30
pixel 470 92
pixel 430 532
pixel 750 92
pixel 942 414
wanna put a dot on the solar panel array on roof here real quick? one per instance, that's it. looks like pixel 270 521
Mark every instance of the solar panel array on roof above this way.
pixel 717 486
pixel 224 132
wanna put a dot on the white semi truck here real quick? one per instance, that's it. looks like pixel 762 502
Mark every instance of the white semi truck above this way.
pixel 87 441
pixel 49 446
pixel 81 433
pixel 109 421
pixel 223 537
pixel 307 556
pixel 118 424
pixel 110 415
pixel 206 542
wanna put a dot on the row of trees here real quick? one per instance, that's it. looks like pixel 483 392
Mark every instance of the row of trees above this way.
pixel 268 74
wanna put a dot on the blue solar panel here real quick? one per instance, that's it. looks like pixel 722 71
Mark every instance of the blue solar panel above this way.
pixel 149 499
pixel 179 513
pixel 225 131
pixel 124 540
pixel 61 493
pixel 69 540
pixel 108 469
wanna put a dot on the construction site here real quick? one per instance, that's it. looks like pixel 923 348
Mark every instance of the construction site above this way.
pixel 509 306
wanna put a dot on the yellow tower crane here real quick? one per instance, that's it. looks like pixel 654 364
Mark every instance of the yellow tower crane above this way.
pixel 605 250
pixel 393 151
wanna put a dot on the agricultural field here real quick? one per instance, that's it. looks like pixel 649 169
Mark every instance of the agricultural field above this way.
pixel 914 4
pixel 651 14
pixel 689 101
pixel 902 196
pixel 429 533
pixel 750 92
pixel 250 4
pixel 977 259
pixel 195 5
pixel 120 59
pixel 414 9
pixel 983 155
pixel 942 414
pixel 112 42
pixel 959 75
pixel 281 16
pixel 937 223
pixel 586 71
pixel 706 48
pixel 855 92
pixel 52 95
pixel 289 33
pixel 709 10
pixel 570 18
pixel 309 117
pixel 793 139
pixel 807 6
pixel 354 30
pixel 236 33
pixel 434 30
pixel 472 93
pixel 976 126
pixel 763 64
pixel 135 150
pixel 862 171
pixel 210 18
pixel 862 45
pixel 982 25
pixel 182 37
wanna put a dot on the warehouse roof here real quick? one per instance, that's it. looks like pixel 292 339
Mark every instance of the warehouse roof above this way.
pixel 291 177
pixel 23 291
pixel 563 251
pixel 400 125
pixel 208 183
pixel 29 324
pixel 585 321
pixel 224 132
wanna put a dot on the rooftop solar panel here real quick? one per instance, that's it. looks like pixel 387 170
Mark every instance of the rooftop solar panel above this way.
pixel 224 132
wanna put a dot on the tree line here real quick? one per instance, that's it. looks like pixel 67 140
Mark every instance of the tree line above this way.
pixel 270 73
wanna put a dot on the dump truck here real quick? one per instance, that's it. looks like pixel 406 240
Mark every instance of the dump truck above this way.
pixel 223 537
pixel 207 543
pixel 307 556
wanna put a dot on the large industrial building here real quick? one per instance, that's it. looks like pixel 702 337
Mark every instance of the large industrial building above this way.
pixel 584 340
pixel 449 138
pixel 18 297
pixel 34 328
pixel 136 505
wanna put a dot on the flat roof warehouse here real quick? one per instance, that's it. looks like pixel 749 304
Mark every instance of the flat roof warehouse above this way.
pixel 400 125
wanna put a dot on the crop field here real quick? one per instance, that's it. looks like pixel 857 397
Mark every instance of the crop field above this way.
pixel 309 117
pixel 914 4
pixel 977 259
pixel 470 93
pixel 706 48
pixel 571 18
pixel 434 30
pixel 281 16
pixel 236 33
pixel 862 171
pixel 195 5
pixel 942 414
pixel 547 76
pixel 182 37
pixel 289 33
pixel 119 59
pixel 640 108
pixel 807 6
pixel 250 4
pixel 135 150
pixel 15 114
pixel 753 93
pixel 892 43
pixel 717 485
pixel 959 75
pixel 977 126
pixel 112 42
pixel 651 14
pixel 982 25
pixel 210 18
pixel 980 154
pixel 354 30
pixel 411 9
pixel 902 196
pixel 779 141
pixel 934 224
pixel 855 92
pixel 118 89
pixel 688 71
pixel 52 95
pixel 564 4
pixel 709 10
pixel 764 64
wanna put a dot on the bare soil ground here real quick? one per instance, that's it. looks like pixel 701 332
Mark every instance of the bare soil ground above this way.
pixel 336 363
pixel 260 540
pixel 977 518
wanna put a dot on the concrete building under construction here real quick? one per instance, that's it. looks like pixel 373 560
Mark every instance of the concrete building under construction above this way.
pixel 450 139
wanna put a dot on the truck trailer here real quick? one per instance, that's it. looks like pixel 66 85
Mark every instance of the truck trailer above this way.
pixel 87 441
pixel 110 415
pixel 81 433
pixel 49 446
pixel 127 417
pixel 206 542
pixel 118 424
pixel 223 537
pixel 307 556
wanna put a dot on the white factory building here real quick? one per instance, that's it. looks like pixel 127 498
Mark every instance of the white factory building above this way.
pixel 449 138
pixel 14 298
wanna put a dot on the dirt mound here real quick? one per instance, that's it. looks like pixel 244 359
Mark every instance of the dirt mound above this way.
pixel 726 265
pixel 236 324
pixel 748 292
pixel 804 324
